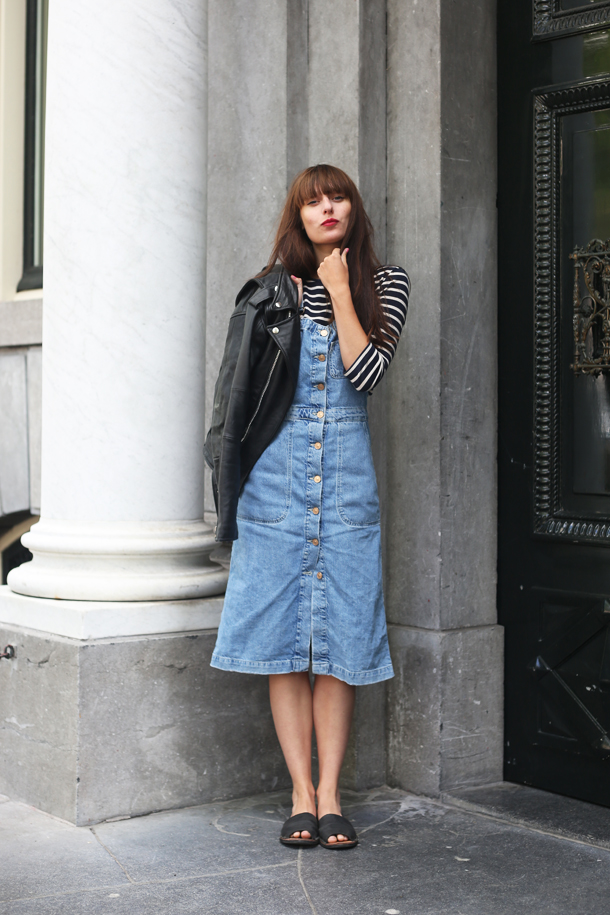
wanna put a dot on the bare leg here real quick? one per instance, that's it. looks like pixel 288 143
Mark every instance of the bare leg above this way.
pixel 333 708
pixel 292 709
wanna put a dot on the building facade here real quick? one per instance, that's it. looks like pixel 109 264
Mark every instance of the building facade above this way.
pixel 173 129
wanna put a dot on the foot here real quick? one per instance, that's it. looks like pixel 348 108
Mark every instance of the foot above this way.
pixel 330 802
pixel 303 802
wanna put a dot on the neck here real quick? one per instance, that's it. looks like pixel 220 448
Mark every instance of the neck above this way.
pixel 322 251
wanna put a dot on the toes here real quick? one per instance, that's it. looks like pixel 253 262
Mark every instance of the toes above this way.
pixel 332 840
pixel 305 835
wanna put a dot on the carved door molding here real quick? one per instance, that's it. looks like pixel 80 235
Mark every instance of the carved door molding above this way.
pixel 550 517
pixel 550 21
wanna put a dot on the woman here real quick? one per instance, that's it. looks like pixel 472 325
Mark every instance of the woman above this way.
pixel 304 586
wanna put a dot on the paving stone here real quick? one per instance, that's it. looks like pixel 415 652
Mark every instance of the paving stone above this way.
pixel 416 857
pixel 200 840
pixel 275 891
pixel 40 854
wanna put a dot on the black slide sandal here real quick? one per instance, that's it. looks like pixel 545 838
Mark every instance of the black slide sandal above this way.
pixel 300 822
pixel 333 824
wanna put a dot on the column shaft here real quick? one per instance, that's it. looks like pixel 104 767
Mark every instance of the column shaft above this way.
pixel 124 314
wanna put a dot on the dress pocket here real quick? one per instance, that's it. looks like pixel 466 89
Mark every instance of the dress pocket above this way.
pixel 357 499
pixel 265 498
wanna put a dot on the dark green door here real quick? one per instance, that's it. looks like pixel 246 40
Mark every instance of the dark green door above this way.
pixel 554 446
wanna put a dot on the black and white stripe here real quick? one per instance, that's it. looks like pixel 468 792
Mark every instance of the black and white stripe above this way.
pixel 393 286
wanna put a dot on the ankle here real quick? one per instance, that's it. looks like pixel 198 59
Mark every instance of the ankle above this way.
pixel 328 791
pixel 304 799
pixel 329 800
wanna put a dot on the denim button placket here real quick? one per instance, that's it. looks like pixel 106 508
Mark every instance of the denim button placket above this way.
pixel 315 461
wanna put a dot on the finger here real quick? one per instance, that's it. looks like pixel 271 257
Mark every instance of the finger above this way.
pixel 296 279
pixel 344 256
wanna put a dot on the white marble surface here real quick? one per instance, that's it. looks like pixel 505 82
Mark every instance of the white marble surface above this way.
pixel 103 619
pixel 14 475
pixel 124 261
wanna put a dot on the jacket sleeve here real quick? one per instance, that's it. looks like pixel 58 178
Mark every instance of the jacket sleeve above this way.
pixel 228 469
pixel 222 393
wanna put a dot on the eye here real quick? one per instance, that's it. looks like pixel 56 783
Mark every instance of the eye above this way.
pixel 310 202
pixel 338 197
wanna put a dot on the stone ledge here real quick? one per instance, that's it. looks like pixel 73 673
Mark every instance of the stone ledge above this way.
pixel 83 620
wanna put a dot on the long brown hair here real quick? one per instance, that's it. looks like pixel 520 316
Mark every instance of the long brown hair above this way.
pixel 294 250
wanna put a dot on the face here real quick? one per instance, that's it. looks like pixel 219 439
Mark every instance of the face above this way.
pixel 325 218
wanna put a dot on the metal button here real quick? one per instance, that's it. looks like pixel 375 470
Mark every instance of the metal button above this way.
pixel 320 414
pixel 319 575
pixel 322 357
pixel 320 387
pixel 317 446
pixel 317 479
pixel 276 330
pixel 315 511
pixel 278 304
pixel 315 541
pixel 324 333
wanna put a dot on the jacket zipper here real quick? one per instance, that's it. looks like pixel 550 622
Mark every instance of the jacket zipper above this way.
pixel 260 400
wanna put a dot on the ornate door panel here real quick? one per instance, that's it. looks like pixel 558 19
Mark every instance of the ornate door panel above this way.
pixel 554 458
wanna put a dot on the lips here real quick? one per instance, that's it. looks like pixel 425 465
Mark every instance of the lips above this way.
pixel 330 222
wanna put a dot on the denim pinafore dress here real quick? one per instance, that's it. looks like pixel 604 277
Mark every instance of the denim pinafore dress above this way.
pixel 305 578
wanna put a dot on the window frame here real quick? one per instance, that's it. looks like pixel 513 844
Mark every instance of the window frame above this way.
pixel 33 174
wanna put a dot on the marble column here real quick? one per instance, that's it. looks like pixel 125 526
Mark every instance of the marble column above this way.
pixel 124 311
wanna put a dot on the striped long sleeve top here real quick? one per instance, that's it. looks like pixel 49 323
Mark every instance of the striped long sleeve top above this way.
pixel 393 286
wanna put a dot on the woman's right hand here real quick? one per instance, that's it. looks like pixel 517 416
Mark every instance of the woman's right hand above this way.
pixel 299 283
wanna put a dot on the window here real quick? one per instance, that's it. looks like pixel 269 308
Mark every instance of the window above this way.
pixel 33 188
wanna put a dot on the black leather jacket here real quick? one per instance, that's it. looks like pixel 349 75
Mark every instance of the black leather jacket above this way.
pixel 255 387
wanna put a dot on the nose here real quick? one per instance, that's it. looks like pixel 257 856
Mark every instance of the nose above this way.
pixel 327 203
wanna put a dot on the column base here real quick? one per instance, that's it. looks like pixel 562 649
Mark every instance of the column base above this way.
pixel 445 708
pixel 116 561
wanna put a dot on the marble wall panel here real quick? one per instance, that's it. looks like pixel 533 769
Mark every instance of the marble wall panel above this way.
pixel 334 97
pixel 14 470
pixel 469 302
pixel 21 322
pixel 412 387
pixel 34 375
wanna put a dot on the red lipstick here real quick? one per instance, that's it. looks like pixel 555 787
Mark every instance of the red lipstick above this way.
pixel 330 222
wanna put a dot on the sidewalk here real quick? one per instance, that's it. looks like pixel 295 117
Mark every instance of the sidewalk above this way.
pixel 501 850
